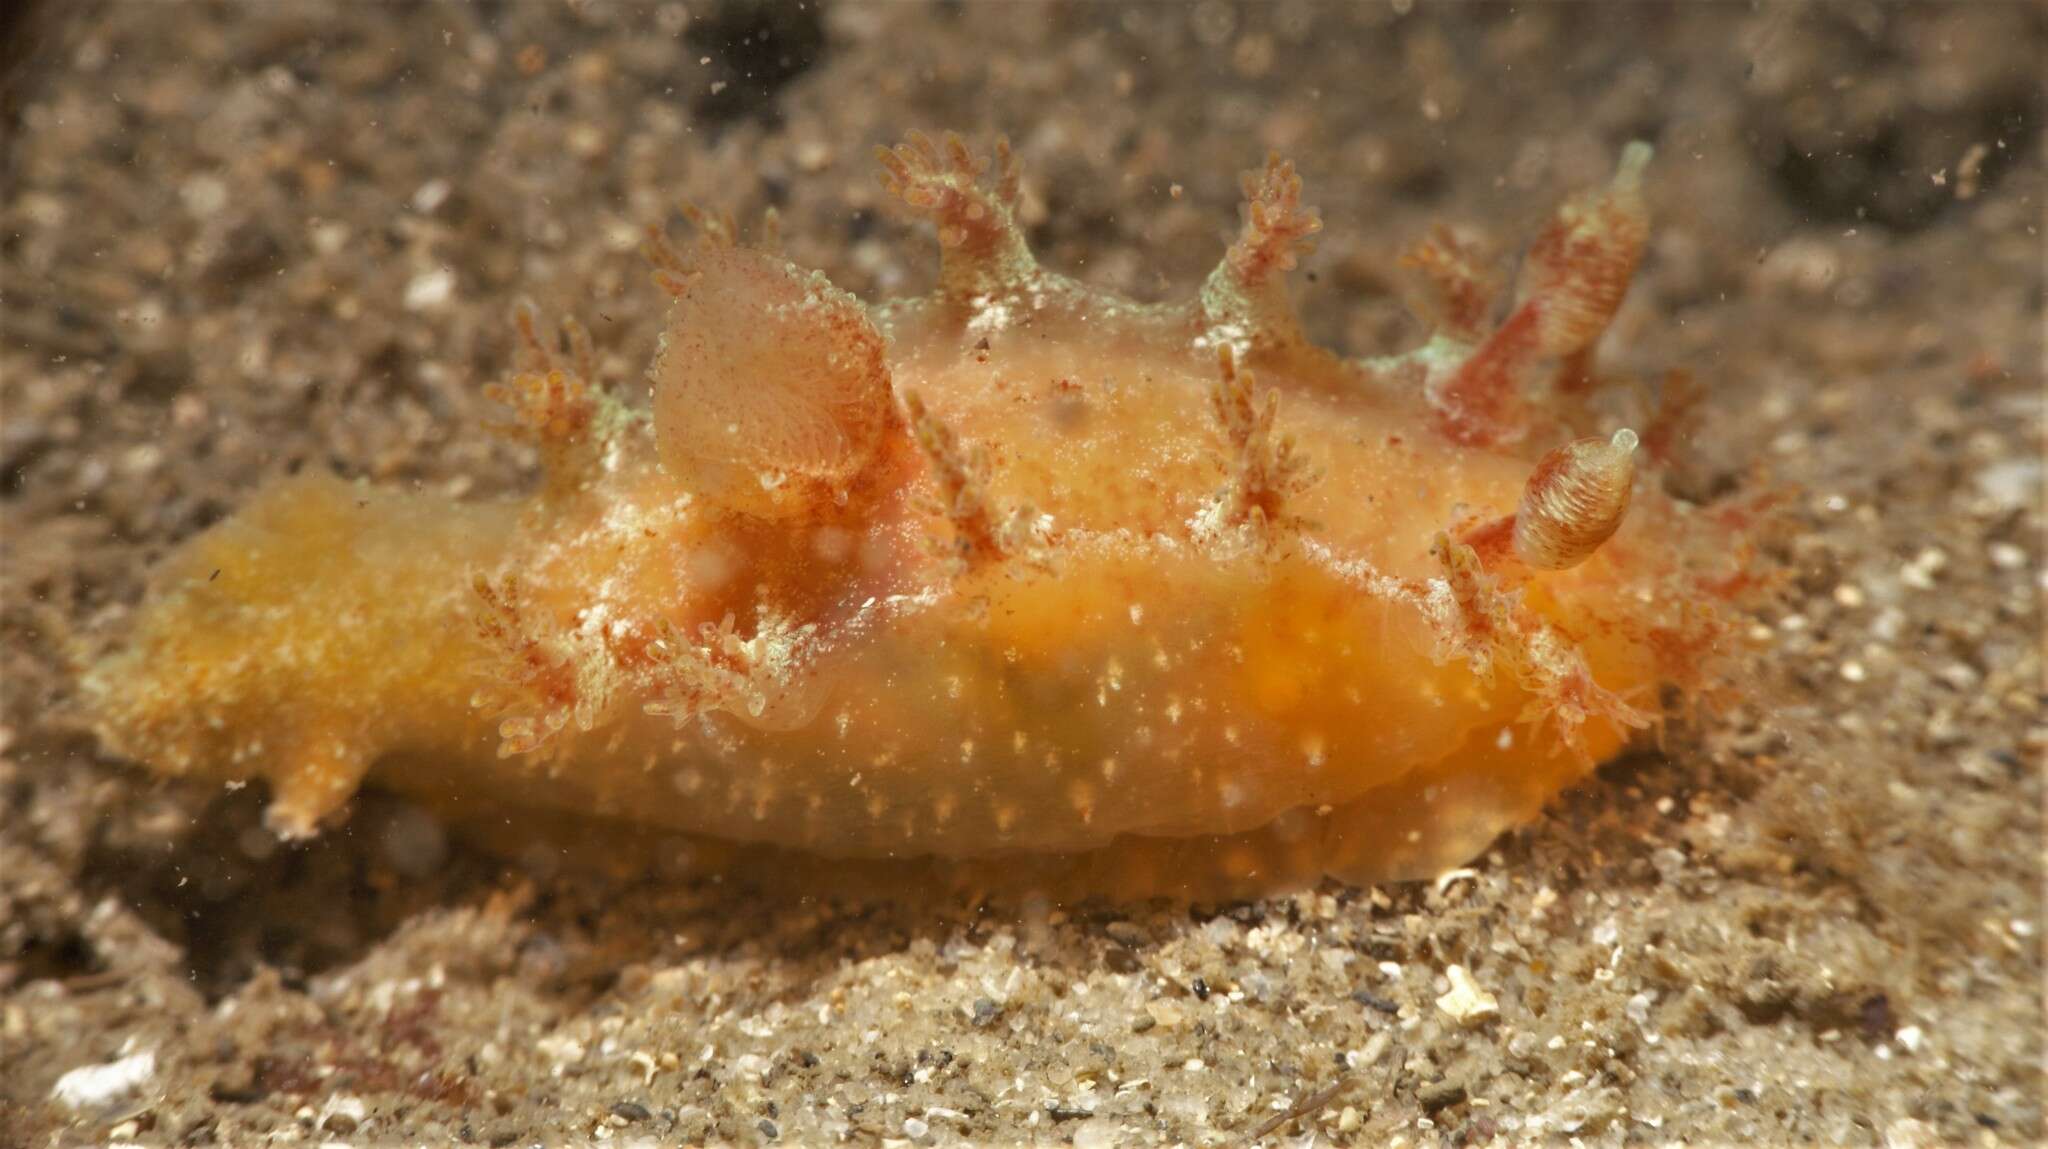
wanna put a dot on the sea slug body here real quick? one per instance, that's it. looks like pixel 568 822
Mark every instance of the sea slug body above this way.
pixel 1015 577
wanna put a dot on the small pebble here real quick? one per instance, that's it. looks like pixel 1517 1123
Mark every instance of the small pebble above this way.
pixel 2007 557
pixel 1375 1001
pixel 430 195
pixel 1465 1001
pixel 1441 1096
pixel 1097 1133
pixel 430 289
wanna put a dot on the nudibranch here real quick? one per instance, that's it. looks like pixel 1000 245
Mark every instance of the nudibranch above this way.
pixel 1015 577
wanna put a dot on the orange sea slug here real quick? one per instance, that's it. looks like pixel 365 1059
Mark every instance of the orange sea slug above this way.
pixel 1018 576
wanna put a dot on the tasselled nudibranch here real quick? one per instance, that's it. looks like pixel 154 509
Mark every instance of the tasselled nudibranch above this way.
pixel 1015 576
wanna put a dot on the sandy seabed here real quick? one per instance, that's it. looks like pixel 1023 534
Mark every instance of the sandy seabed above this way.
pixel 237 239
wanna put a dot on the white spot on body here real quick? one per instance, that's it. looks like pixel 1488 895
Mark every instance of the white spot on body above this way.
pixel 1082 795
pixel 1315 750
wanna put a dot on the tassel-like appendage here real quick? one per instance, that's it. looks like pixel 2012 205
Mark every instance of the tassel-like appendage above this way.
pixel 555 402
pixel 1266 467
pixel 960 474
pixel 1462 286
pixel 983 253
pixel 1245 299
